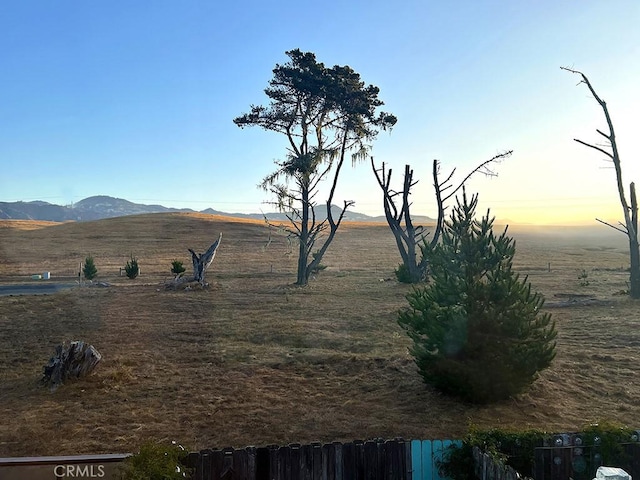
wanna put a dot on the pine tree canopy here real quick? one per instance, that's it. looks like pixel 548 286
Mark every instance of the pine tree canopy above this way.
pixel 477 328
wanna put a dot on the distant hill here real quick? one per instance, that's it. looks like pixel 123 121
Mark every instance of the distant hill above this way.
pixel 91 208
pixel 102 206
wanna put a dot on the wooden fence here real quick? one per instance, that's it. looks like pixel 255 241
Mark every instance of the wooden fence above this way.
pixel 371 460
pixel 580 462
pixel 486 468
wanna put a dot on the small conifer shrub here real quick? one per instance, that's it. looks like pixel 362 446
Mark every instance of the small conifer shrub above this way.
pixel 177 267
pixel 132 269
pixel 89 269
pixel 402 274
pixel 477 329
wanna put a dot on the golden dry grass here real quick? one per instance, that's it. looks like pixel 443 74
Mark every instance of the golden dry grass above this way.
pixel 254 360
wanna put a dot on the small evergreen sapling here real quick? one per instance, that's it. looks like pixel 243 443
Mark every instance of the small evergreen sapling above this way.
pixel 177 267
pixel 132 269
pixel 89 269
pixel 477 328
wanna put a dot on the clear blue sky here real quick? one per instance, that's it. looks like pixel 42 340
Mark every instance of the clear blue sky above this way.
pixel 136 99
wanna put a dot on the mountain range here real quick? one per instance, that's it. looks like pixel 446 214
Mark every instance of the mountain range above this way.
pixel 101 206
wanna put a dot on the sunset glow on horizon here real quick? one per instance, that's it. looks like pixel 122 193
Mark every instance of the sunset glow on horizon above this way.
pixel 140 106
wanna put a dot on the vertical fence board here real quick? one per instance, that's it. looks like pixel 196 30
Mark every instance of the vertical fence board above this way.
pixel 296 461
pixel 306 462
pixel 407 460
pixel 217 457
pixel 316 449
pixel 380 461
pixel 263 468
pixel 424 455
pixel 252 453
pixel 226 471
pixel 561 463
pixel 359 460
pixel 388 461
pixel 436 456
pixel 397 456
pixel 402 460
pixel 371 460
pixel 239 467
pixel 427 458
pixel 284 462
pixel 633 450
pixel 205 465
pixel 540 458
pixel 416 459
pixel 274 467
pixel 193 460
pixel 348 461
pixel 337 447
pixel 328 462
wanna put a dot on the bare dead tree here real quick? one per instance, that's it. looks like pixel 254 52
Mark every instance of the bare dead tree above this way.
pixel 408 236
pixel 202 262
pixel 200 265
pixel 629 208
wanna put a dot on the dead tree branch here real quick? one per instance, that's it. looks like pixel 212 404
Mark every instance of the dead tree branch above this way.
pixel 630 212
pixel 409 237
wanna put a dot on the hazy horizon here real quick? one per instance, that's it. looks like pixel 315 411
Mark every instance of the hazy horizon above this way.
pixel 418 219
pixel 139 105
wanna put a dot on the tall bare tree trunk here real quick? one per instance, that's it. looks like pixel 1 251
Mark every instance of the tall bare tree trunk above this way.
pixel 634 248
pixel 629 209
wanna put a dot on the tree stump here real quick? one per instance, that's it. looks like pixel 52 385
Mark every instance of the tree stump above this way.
pixel 70 361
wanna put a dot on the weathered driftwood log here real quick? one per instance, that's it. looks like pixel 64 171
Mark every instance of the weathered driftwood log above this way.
pixel 202 262
pixel 200 265
pixel 70 361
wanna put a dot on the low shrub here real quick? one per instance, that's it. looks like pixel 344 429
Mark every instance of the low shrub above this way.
pixel 402 274
pixel 89 269
pixel 132 269
pixel 156 461
pixel 177 267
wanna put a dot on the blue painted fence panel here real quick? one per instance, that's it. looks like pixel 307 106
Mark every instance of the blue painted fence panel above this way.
pixel 424 457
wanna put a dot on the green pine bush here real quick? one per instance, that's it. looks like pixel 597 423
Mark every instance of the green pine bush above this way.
pixel 132 269
pixel 89 269
pixel 177 267
pixel 402 274
pixel 477 328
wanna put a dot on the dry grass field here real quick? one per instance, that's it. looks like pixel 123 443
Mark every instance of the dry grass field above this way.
pixel 254 360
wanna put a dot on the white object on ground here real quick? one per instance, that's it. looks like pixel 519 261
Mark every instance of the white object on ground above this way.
pixel 611 473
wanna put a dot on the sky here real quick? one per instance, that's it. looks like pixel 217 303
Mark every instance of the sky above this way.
pixel 136 100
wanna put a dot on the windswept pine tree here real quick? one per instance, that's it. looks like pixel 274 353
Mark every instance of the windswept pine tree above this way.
pixel 326 115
